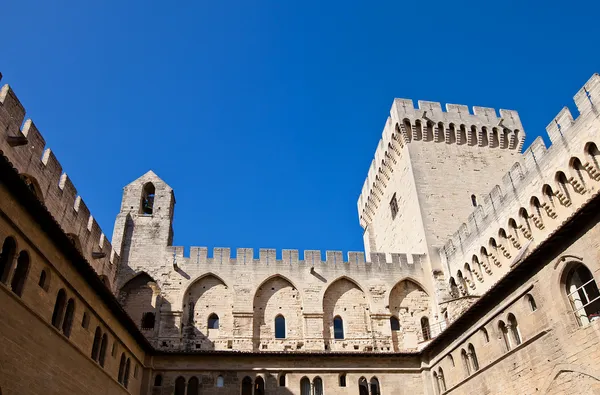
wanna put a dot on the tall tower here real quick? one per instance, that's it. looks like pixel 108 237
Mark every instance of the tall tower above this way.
pixel 431 169
pixel 144 225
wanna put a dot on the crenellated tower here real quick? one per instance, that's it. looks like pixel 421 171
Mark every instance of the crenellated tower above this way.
pixel 431 168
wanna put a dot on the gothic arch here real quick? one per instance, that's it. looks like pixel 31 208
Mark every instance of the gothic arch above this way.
pixel 33 185
pixel 139 295
pixel 408 301
pixel 277 297
pixel 207 295
pixel 571 368
pixel 346 299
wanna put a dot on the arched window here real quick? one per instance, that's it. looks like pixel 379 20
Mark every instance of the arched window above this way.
pixel 425 328
pixel 531 302
pixel 147 204
pixel 343 380
pixel 462 282
pixel 474 200
pixel 436 382
pixel 473 135
pixel 126 373
pixel 192 387
pixel 462 135
pixel 43 283
pixel 593 154
pixel 317 386
pixel 453 288
pixel 374 386
pixel 504 334
pixel 394 323
pixel 85 321
pixel 561 180
pixel 486 337
pixel 442 379
pixel 220 381
pixel 469 273
pixel 495 140
pixel 484 137
pixel 213 321
pixel 259 386
pixel 451 360
pixel 418 130
pixel 59 308
pixel 582 293
pixel 180 386
pixel 148 320
pixel 473 356
pixel 514 329
pixel 451 134
pixel 465 360
pixel 247 386
pixel 68 320
pixel 7 257
pixel 279 327
pixel 577 170
pixel 428 131
pixel 282 380
pixel 96 345
pixel 305 386
pixel 338 327
pixel 121 368
pixel 441 132
pixel 158 380
pixel 102 353
pixel 363 386
pixel 18 280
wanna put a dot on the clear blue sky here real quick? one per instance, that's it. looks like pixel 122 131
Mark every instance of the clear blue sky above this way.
pixel 264 115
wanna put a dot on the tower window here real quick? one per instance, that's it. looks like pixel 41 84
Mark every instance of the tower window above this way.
pixel 474 200
pixel 213 321
pixel 279 327
pixel 394 206
pixel 338 328
pixel 147 204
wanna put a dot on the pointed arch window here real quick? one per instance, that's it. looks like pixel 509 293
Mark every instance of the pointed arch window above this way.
pixel 96 345
pixel 363 386
pixel 213 321
pixel 280 327
pixel 259 386
pixel 318 386
pixel 305 386
pixel 338 327
pixel 514 329
pixel 121 374
pixel 583 294
pixel 126 373
pixel 180 386
pixel 442 380
pixel 59 308
pixel 147 204
pixel 7 257
pixel 531 302
pixel 193 385
pixel 465 361
pixel 247 386
pixel 473 357
pixel 68 320
pixel 158 380
pixel 18 280
pixel 43 282
pixel 425 329
pixel 504 334
pixel 374 386
pixel 102 353
pixel 282 380
pixel 486 337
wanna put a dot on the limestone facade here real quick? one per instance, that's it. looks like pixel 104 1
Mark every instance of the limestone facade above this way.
pixel 482 282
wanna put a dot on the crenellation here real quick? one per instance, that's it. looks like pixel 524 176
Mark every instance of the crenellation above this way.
pixel 587 99
pixel 12 105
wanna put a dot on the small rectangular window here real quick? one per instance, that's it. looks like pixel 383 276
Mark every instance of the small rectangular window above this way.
pixel 394 206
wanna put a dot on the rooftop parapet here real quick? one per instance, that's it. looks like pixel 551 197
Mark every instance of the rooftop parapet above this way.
pixel 310 258
pixel 23 144
pixel 429 123
pixel 535 163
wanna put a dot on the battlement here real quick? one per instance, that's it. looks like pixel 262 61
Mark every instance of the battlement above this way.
pixel 310 258
pixel 25 147
pixel 484 128
pixel 537 166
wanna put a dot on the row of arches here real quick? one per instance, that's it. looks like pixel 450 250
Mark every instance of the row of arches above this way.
pixel 278 308
pixel 256 386
pixel 538 218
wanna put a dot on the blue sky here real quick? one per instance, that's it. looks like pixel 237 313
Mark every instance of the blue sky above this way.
pixel 264 115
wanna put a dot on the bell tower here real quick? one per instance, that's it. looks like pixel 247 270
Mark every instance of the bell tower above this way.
pixel 144 225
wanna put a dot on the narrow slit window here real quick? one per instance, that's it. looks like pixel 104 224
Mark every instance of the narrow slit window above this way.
pixel 394 206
